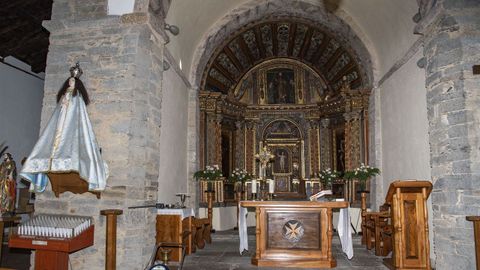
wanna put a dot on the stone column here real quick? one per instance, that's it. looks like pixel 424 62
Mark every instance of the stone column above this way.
pixel 240 144
pixel 452 42
pixel 122 59
pixel 325 144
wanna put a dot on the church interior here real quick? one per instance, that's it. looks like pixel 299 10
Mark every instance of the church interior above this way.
pixel 240 134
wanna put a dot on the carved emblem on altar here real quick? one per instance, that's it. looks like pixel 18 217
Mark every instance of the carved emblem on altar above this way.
pixel 293 231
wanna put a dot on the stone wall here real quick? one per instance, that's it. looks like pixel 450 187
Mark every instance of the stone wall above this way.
pixel 122 62
pixel 452 32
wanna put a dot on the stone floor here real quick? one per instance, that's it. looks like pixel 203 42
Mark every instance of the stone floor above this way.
pixel 223 254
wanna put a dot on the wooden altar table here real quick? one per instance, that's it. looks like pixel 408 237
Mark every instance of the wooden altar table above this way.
pixel 294 233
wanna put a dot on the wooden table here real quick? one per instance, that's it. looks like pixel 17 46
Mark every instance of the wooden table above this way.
pixel 294 233
pixel 175 225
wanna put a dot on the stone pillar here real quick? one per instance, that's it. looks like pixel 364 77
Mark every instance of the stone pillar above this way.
pixel 195 146
pixel 325 144
pixel 214 139
pixel 314 151
pixel 122 58
pixel 377 190
pixel 240 144
pixel 452 41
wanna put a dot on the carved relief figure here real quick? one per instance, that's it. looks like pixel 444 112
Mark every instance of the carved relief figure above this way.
pixel 281 86
pixel 281 161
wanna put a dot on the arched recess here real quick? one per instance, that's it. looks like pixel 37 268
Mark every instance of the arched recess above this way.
pixel 228 54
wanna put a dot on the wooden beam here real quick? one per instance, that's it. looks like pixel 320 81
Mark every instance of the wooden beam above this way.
pixel 223 71
pixel 217 84
pixel 346 69
pixel 333 59
pixel 306 42
pixel 232 57
pixel 273 26
pixel 320 49
pixel 291 38
pixel 258 38
pixel 246 50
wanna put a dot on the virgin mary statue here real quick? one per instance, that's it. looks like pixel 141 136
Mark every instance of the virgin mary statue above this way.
pixel 67 149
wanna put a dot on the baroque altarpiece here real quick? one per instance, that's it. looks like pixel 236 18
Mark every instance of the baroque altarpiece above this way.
pixel 287 106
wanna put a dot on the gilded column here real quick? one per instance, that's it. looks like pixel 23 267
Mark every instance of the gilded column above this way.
pixel 240 144
pixel 203 139
pixel 314 152
pixel 250 147
pixel 325 144
pixel 214 139
pixel 353 136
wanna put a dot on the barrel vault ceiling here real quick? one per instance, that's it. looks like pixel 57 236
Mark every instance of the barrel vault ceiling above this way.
pixel 281 38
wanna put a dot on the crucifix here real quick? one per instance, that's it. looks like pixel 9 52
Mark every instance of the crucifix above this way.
pixel 264 156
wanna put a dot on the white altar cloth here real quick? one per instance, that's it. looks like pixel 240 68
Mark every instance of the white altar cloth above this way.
pixel 184 212
pixel 343 227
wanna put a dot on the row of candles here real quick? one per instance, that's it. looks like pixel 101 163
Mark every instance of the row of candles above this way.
pixel 55 226
pixel 271 185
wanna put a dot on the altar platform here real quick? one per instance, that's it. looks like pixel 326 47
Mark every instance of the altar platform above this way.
pixel 223 254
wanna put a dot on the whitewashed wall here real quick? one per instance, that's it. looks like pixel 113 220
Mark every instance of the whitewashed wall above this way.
pixel 406 152
pixel 173 138
pixel 404 131
pixel 21 98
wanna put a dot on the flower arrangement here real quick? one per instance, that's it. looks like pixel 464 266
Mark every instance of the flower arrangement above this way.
pixel 210 173
pixel 362 173
pixel 239 175
pixel 327 177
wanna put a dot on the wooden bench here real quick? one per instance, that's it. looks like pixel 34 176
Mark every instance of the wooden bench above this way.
pixel 202 232
pixel 377 223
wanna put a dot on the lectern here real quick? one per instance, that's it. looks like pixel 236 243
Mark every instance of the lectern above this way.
pixel 294 233
pixel 411 247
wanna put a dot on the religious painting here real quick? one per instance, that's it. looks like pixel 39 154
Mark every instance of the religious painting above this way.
pixel 282 161
pixel 281 86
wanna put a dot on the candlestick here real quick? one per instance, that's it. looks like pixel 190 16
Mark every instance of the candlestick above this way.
pixel 271 186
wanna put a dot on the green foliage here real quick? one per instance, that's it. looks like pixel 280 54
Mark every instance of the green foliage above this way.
pixel 239 175
pixel 210 173
pixel 361 173
pixel 327 177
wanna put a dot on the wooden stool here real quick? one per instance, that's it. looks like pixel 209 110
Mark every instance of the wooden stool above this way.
pixel 476 233
pixel 111 245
